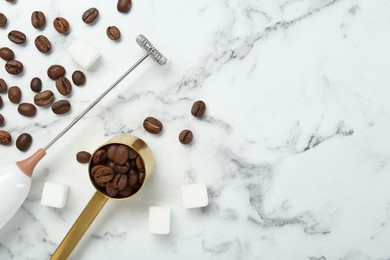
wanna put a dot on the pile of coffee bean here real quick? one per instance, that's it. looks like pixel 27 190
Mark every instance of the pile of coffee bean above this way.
pixel 56 72
pixel 117 170
pixel 154 126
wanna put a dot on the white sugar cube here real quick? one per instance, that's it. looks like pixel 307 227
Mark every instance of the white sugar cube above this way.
pixel 54 194
pixel 194 195
pixel 159 220
pixel 83 53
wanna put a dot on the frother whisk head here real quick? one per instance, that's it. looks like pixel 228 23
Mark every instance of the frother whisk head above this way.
pixel 154 53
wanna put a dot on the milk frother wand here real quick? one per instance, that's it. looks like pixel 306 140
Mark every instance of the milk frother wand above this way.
pixel 15 178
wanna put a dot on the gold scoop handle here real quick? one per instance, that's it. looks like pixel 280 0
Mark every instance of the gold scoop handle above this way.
pixel 81 225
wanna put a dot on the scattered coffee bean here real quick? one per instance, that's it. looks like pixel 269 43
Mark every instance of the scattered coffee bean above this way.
pixel 1 120
pixel 63 86
pixel 5 137
pixel 17 37
pixel 27 109
pixel 14 67
pixel 61 107
pixel 152 125
pixel 61 25
pixel 36 84
pixel 123 6
pixel 55 71
pixel 23 142
pixel 78 78
pixel 198 108
pixel 14 94
pixel 10 1
pixel 3 20
pixel 1 102
pixel 42 43
pixel 185 137
pixel 90 15
pixel 113 33
pixel 3 86
pixel 125 178
pixel 38 19
pixel 7 54
pixel 83 157
pixel 44 98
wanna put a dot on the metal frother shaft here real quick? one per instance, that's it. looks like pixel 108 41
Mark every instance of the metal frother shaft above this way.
pixel 151 51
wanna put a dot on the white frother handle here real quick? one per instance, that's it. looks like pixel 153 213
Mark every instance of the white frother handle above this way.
pixel 15 186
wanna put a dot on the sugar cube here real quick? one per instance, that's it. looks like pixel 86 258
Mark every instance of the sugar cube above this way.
pixel 83 53
pixel 194 195
pixel 159 220
pixel 54 194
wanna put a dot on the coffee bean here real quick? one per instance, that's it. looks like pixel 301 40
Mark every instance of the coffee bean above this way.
pixel 3 86
pixel 95 168
pixel 111 151
pixel 23 142
pixel 139 163
pixel 5 137
pixel 27 109
pixel 132 154
pixel 42 43
pixel 121 155
pixel 1 120
pixel 111 164
pixel 63 86
pixel 99 157
pixel 120 181
pixel 111 190
pixel 78 78
pixel 121 168
pixel 38 19
pixel 83 157
pixel 141 177
pixel 61 107
pixel 90 15
pixel 113 33
pixel 61 25
pixel 14 67
pixel 104 174
pixel 17 37
pixel 1 102
pixel 3 20
pixel 198 108
pixel 44 98
pixel 133 178
pixel 10 1
pixel 7 54
pixel 55 71
pixel 36 84
pixel 126 192
pixel 185 137
pixel 153 125
pixel 123 6
pixel 14 94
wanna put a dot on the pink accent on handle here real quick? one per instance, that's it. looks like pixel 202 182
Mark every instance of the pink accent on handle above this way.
pixel 27 165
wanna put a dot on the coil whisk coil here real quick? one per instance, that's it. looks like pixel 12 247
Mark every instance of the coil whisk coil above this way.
pixel 144 43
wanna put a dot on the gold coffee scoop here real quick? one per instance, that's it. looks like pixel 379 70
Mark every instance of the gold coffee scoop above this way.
pixel 99 198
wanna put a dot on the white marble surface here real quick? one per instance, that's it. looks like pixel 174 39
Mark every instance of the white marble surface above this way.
pixel 294 147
